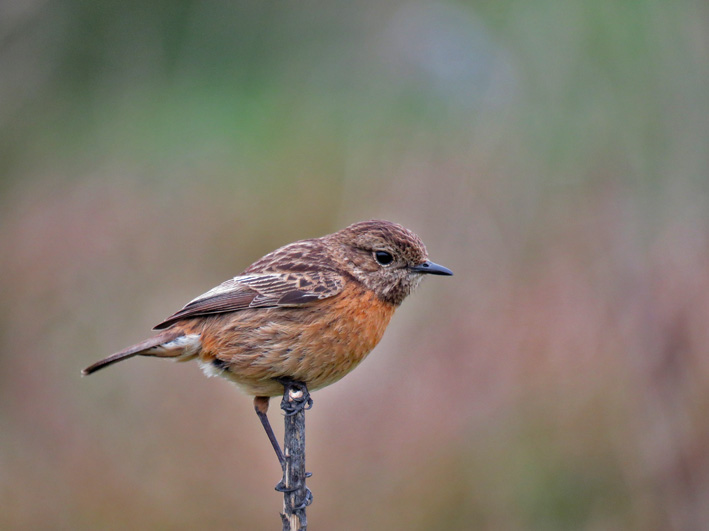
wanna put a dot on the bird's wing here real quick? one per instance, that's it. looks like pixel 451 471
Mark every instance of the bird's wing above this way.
pixel 261 290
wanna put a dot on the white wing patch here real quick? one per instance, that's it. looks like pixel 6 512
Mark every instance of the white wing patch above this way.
pixel 229 285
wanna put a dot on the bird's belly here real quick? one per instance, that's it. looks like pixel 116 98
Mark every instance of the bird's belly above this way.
pixel 317 345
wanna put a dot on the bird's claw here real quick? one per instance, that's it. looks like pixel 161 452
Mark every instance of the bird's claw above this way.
pixel 296 404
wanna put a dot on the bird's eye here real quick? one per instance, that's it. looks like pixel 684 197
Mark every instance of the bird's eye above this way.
pixel 383 257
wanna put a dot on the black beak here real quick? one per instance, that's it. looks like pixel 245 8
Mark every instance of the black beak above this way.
pixel 430 268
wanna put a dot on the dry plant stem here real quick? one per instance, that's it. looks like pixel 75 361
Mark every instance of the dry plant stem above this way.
pixel 296 496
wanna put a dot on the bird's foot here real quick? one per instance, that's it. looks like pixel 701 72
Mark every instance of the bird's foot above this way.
pixel 298 397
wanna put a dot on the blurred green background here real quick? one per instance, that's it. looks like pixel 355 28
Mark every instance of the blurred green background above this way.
pixel 554 154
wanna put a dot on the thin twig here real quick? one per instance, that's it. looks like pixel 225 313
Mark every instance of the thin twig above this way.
pixel 296 496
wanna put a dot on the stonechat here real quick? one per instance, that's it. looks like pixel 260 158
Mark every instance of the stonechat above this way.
pixel 308 312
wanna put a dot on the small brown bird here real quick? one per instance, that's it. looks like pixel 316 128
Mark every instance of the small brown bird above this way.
pixel 308 312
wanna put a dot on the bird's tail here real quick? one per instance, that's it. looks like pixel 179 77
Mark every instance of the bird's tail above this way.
pixel 167 344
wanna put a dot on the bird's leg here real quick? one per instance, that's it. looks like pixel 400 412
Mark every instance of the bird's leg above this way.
pixel 261 407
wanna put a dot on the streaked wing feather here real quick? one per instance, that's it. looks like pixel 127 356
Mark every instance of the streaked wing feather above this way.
pixel 224 302
pixel 297 298
pixel 269 290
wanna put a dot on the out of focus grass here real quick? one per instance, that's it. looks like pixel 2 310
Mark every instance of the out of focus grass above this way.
pixel 553 154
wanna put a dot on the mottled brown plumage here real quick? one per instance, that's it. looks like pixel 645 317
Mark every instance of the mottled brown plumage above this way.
pixel 309 311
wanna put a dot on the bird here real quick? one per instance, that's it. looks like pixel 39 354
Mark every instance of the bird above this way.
pixel 308 312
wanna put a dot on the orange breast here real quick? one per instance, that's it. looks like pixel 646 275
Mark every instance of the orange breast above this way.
pixel 317 344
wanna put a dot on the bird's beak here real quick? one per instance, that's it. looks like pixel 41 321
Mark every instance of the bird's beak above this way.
pixel 430 268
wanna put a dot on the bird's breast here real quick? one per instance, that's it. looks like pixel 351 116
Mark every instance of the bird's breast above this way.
pixel 316 344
